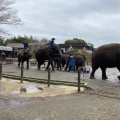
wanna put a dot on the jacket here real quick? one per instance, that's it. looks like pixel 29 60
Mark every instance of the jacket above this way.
pixel 71 61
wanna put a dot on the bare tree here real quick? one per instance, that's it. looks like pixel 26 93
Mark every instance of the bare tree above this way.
pixel 8 16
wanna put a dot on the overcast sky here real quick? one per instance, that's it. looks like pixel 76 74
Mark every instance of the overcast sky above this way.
pixel 95 21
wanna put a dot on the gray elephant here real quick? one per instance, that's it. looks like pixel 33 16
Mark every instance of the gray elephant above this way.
pixel 79 61
pixel 47 53
pixel 64 58
pixel 57 62
pixel 24 55
pixel 106 56
pixel 78 53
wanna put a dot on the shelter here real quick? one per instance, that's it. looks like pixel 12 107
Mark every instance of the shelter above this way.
pixel 4 48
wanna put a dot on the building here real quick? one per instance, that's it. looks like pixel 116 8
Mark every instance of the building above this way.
pixel 78 46
pixel 18 46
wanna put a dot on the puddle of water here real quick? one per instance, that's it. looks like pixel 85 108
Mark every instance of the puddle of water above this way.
pixel 30 88
pixel 111 73
pixel 33 90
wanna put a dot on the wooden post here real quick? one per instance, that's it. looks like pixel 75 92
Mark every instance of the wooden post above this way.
pixel 0 70
pixel 22 67
pixel 48 76
pixel 79 79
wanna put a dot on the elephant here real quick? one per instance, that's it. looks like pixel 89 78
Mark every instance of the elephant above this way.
pixel 78 53
pixel 79 61
pixel 24 55
pixel 105 56
pixel 64 57
pixel 47 53
pixel 57 62
pixel 83 55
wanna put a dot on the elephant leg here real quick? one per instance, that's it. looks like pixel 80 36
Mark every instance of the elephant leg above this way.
pixel 59 64
pixel 50 62
pixel 119 71
pixel 38 66
pixel 22 62
pixel 104 73
pixel 67 64
pixel 77 67
pixel 93 72
pixel 27 67
pixel 19 62
pixel 63 64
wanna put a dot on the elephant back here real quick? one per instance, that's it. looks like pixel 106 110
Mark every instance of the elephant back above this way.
pixel 24 52
pixel 47 50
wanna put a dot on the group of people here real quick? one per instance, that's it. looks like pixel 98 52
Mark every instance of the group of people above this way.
pixel 71 60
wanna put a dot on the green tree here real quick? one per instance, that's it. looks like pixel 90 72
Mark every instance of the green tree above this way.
pixel 20 39
pixel 75 40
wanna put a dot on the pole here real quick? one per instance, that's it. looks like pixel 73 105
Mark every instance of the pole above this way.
pixel 22 73
pixel 0 71
pixel 79 80
pixel 48 76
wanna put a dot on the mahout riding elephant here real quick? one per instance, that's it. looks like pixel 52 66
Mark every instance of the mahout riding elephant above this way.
pixel 24 55
pixel 79 61
pixel 105 56
pixel 47 53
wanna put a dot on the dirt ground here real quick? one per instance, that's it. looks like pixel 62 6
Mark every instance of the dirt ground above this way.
pixel 101 101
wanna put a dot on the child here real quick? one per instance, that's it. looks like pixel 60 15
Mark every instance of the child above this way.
pixel 71 63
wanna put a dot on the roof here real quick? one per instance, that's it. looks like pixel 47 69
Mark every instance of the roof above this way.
pixel 15 45
pixel 20 45
pixel 4 48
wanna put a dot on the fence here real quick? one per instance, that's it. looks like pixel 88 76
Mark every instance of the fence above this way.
pixel 42 76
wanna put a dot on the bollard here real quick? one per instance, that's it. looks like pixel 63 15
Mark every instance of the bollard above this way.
pixel 22 67
pixel 0 70
pixel 79 72
pixel 48 76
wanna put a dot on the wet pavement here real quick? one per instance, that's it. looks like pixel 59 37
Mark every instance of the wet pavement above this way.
pixel 96 84
pixel 14 88
pixel 35 101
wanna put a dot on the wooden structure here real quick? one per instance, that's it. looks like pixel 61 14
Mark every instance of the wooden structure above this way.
pixel 78 46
